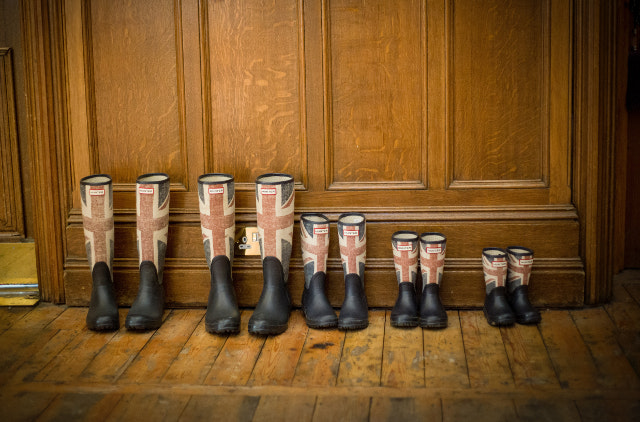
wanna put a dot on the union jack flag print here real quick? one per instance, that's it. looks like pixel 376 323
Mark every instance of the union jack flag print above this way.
pixel 520 264
pixel 405 255
pixel 494 263
pixel 97 218
pixel 152 222
pixel 314 236
pixel 216 194
pixel 433 248
pixel 352 238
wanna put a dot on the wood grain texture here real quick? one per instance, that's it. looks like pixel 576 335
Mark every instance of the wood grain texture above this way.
pixel 499 91
pixel 320 358
pixel 402 356
pixel 341 408
pixel 285 408
pixel 220 408
pixel 256 90
pixel 445 364
pixel 361 362
pixel 375 55
pixel 404 409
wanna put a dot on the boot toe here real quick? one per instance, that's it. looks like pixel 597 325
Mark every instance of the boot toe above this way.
pixel 434 321
pixel 404 320
pixel 499 320
pixel 352 323
pixel 223 325
pixel 527 318
pixel 142 323
pixel 103 323
pixel 266 327
pixel 322 321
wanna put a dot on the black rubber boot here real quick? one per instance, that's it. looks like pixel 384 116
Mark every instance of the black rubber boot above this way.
pixel 222 314
pixel 525 312
pixel 271 315
pixel 316 307
pixel 103 308
pixel 497 309
pixel 146 311
pixel 432 313
pixel 405 311
pixel 354 314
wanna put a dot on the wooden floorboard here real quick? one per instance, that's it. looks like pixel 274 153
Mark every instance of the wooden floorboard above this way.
pixel 576 365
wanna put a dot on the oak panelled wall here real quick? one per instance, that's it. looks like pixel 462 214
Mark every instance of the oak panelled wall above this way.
pixel 451 116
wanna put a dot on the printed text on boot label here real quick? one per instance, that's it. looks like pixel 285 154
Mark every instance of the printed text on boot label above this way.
pixel 146 191
pixel 213 191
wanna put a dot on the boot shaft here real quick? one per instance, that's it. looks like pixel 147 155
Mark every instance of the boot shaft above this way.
pixel 352 237
pixel 216 194
pixel 405 255
pixel 314 236
pixel 520 263
pixel 433 248
pixel 97 218
pixel 494 264
pixel 152 218
pixel 274 206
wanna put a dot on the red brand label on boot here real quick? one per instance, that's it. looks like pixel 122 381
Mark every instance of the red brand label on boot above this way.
pixel 355 232
pixel 96 192
pixel 527 261
pixel 434 250
pixel 213 191
pixel 320 230
pixel 268 191
pixel 499 264
pixel 404 246
pixel 146 191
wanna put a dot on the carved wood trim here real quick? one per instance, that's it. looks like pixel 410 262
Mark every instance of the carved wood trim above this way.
pixel 12 220
pixel 594 153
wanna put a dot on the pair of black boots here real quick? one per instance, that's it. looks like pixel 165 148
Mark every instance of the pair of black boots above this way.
pixel 507 276
pixel 429 313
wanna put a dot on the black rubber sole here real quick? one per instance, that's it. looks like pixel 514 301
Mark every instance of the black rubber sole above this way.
pixel 434 324
pixel 142 325
pixel 352 326
pixel 528 320
pixel 503 321
pixel 104 327
pixel 321 325
pixel 222 327
pixel 404 322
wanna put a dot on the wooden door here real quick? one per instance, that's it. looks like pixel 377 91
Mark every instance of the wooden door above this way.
pixel 450 116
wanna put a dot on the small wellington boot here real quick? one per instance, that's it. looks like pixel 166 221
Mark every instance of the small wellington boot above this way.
pixel 523 309
pixel 222 314
pixel 405 311
pixel 520 260
pixel 148 307
pixel 496 308
pixel 316 307
pixel 103 308
pixel 354 313
pixel 271 315
pixel 432 313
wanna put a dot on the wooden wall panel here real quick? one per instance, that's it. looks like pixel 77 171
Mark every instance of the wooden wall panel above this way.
pixel 376 93
pixel 255 90
pixel 11 217
pixel 134 54
pixel 499 88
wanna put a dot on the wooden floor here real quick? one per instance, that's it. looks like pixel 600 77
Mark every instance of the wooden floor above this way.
pixel 576 365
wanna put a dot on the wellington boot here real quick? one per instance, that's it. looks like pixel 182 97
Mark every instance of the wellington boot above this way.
pixel 432 313
pixel 271 315
pixel 103 309
pixel 405 311
pixel 497 309
pixel 522 308
pixel 316 307
pixel 146 311
pixel 222 314
pixel 354 314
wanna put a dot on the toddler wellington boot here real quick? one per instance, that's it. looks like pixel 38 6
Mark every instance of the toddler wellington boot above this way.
pixel 274 204
pixel 352 237
pixel 496 307
pixel 216 193
pixel 405 259
pixel 433 247
pixel 314 234
pixel 152 223
pixel 97 219
pixel 520 261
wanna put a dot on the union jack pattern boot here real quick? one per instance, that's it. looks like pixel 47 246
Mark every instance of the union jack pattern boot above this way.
pixel 97 219
pixel 405 259
pixel 520 262
pixel 352 238
pixel 433 248
pixel 152 223
pixel 274 205
pixel 216 193
pixel 314 236
pixel 496 307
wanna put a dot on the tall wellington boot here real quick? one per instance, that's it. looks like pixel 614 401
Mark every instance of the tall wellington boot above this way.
pixel 314 234
pixel 97 218
pixel 520 261
pixel 352 237
pixel 152 223
pixel 433 248
pixel 405 259
pixel 496 307
pixel 274 205
pixel 216 192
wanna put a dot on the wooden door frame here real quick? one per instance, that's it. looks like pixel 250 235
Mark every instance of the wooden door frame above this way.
pixel 592 135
